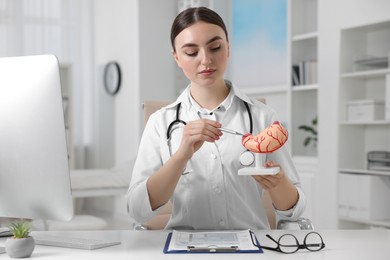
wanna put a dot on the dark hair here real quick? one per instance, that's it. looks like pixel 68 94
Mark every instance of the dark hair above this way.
pixel 192 15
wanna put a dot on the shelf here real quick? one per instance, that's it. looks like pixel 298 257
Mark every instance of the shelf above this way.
pixel 366 74
pixel 379 26
pixel 381 160
pixel 382 223
pixel 305 36
pixel 381 62
pixel 266 90
pixel 302 95
pixel 364 123
pixel 303 61
pixel 364 172
pixel 305 87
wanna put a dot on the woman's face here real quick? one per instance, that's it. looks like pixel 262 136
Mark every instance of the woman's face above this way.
pixel 202 51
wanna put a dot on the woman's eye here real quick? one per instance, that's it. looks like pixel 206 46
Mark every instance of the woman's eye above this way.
pixel 217 48
pixel 192 54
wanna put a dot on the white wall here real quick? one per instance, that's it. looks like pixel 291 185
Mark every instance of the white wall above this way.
pixel 116 38
pixel 156 63
pixel 135 34
pixel 333 16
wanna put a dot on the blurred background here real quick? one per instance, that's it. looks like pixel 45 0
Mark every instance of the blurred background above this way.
pixel 304 56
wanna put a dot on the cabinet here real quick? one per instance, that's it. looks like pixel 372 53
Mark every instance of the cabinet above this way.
pixel 364 81
pixel 66 87
pixel 302 92
pixel 303 63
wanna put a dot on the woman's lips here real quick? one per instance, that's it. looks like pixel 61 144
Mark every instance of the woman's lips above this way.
pixel 207 72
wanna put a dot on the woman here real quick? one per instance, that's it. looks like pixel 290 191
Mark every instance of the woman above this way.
pixel 191 162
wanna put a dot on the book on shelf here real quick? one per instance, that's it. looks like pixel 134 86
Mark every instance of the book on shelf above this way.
pixel 378 160
pixel 304 73
pixel 295 75
pixel 369 62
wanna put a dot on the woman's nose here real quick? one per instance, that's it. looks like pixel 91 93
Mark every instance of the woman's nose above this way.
pixel 206 59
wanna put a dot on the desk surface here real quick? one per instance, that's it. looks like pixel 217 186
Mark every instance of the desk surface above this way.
pixel 340 244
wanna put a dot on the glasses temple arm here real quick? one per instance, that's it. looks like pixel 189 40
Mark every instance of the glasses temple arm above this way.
pixel 267 235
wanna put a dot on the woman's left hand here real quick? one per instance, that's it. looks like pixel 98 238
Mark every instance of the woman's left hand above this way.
pixel 269 182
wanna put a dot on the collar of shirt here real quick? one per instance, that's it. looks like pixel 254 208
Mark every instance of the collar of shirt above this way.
pixel 222 107
pixel 185 97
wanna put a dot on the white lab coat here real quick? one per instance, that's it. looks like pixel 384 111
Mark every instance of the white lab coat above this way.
pixel 211 195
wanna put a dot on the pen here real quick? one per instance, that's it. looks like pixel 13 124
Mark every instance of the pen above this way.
pixel 230 131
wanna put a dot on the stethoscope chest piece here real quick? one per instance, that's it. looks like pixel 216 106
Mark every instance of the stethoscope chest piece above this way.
pixel 247 158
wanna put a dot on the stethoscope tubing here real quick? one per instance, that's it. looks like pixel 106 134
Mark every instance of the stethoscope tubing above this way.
pixel 176 121
pixel 246 157
pixel 179 121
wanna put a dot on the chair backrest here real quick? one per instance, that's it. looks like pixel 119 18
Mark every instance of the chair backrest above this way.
pixel 159 222
pixel 151 106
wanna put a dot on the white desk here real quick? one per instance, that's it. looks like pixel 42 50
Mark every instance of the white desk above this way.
pixel 340 244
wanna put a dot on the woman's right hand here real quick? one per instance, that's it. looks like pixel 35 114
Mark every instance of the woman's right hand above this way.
pixel 197 132
pixel 162 183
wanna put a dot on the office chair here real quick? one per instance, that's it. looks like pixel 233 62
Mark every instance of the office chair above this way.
pixel 161 220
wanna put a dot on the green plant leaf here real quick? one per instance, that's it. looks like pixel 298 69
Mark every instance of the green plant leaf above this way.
pixel 311 130
pixel 308 129
pixel 314 121
pixel 307 141
pixel 20 229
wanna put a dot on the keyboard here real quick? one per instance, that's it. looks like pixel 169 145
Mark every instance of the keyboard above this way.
pixel 5 232
pixel 2 250
pixel 73 242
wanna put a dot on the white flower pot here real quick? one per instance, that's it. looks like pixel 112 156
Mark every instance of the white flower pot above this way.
pixel 19 247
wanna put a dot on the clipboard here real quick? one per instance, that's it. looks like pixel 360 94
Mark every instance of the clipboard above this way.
pixel 186 247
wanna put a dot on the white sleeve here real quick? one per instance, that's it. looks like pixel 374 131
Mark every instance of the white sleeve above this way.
pixel 283 158
pixel 295 212
pixel 148 161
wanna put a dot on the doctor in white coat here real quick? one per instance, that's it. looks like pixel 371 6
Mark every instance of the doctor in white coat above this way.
pixel 183 155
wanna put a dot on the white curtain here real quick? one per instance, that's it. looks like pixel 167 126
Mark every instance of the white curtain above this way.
pixel 63 28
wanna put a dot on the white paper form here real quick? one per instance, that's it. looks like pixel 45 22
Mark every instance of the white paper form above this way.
pixel 182 240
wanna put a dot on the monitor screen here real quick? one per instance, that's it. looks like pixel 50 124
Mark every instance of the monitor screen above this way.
pixel 34 171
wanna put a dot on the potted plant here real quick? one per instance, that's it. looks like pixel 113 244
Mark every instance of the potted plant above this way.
pixel 21 244
pixel 312 132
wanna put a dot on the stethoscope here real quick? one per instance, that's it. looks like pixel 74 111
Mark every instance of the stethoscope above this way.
pixel 246 158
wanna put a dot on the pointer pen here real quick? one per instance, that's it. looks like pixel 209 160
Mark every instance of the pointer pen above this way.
pixel 230 131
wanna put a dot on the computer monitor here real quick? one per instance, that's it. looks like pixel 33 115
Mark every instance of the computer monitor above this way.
pixel 34 171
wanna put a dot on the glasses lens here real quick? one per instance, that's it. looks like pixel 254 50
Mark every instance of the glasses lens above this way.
pixel 313 241
pixel 288 244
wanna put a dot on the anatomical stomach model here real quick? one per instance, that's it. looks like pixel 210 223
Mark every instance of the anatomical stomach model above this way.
pixel 267 141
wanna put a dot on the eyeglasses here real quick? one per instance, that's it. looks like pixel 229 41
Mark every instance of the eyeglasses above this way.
pixel 289 244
